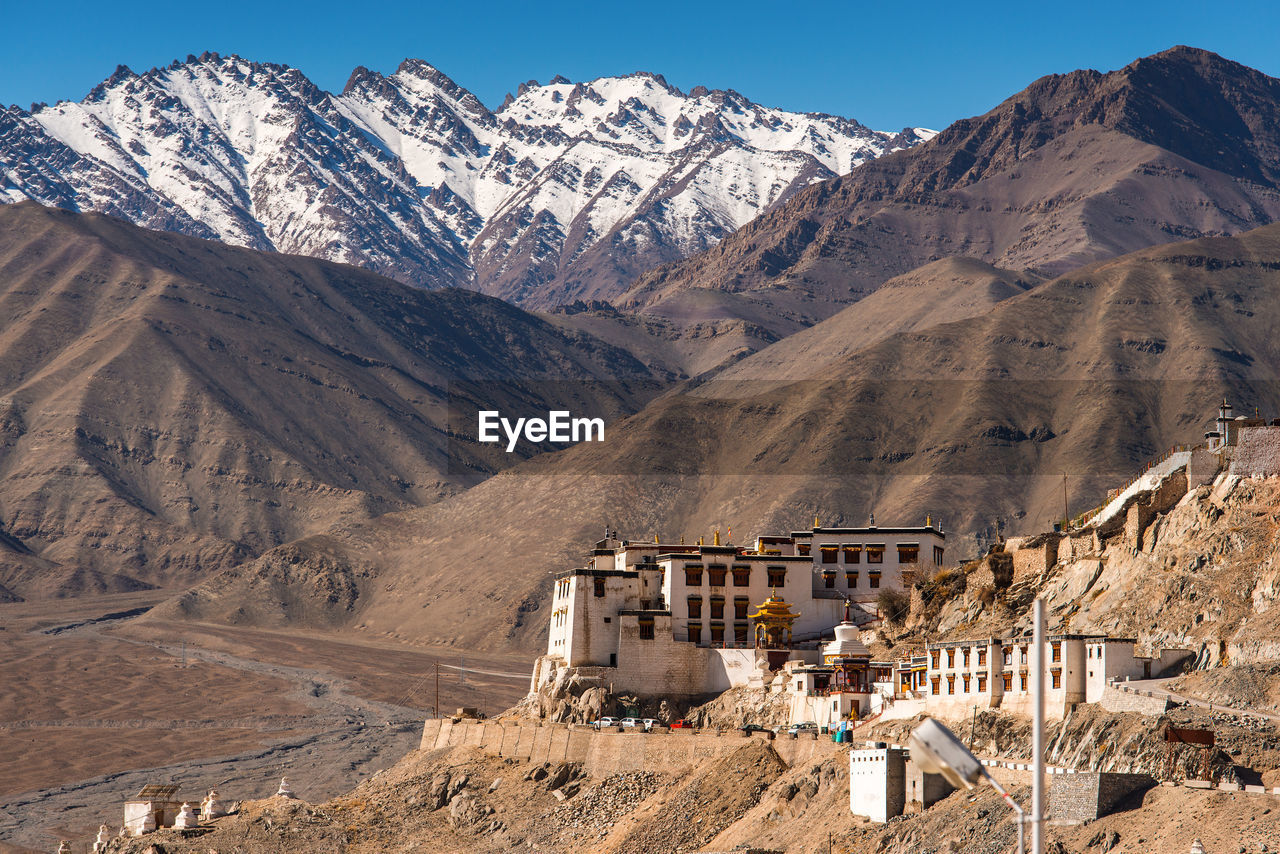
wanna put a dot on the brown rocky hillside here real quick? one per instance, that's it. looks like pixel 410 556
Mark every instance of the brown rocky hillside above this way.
pixel 1090 374
pixel 171 406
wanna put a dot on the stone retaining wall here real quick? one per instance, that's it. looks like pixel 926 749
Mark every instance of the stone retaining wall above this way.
pixel 602 753
pixel 1119 699
pixel 1088 796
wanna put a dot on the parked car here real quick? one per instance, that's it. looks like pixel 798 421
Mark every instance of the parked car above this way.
pixel 629 723
pixel 753 728
pixel 803 726
pixel 681 724
pixel 650 724
pixel 606 723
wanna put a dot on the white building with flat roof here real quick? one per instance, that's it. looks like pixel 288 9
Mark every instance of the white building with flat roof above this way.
pixel 682 619
pixel 996 672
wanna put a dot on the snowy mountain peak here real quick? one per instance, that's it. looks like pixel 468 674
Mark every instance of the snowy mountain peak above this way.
pixel 568 190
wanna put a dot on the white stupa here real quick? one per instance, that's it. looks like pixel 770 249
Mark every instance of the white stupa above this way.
pixel 1197 847
pixel 186 817
pixel 284 791
pixel 848 644
pixel 104 836
pixel 64 848
pixel 211 807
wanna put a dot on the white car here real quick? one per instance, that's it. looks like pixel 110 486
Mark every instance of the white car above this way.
pixel 606 723
pixel 806 726
pixel 650 724
pixel 629 723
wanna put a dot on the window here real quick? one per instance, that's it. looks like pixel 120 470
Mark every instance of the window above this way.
pixel 908 553
pixel 966 682
pixel 695 606
pixel 951 658
pixel 951 684
pixel 875 554
pixel 936 683
pixel 742 576
pixel 851 579
pixel 852 554
pixel 740 606
pixel 1057 651
pixel 1008 681
pixel 695 633
pixel 874 579
pixel 829 553
pixel 937 555
pixel 829 579
pixel 1057 678
pixel 982 656
pixel 1022 681
pixel 935 655
pixel 646 628
pixel 716 573
pixel 717 632
pixel 739 632
pixel 717 608
pixel 693 576
pixel 802 549
pixel 1024 654
pixel 1008 655
pixel 964 656
pixel 599 586
pixel 777 576
pixel 982 683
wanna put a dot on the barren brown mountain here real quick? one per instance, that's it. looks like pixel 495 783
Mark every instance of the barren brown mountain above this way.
pixel 1076 168
pixel 171 406
pixel 1088 374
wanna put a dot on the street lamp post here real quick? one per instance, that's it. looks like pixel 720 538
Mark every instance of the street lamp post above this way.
pixel 937 751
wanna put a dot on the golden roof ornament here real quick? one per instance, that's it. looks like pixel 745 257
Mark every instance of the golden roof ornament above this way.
pixel 717 540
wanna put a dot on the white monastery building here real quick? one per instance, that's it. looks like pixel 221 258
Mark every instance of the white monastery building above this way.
pixel 688 619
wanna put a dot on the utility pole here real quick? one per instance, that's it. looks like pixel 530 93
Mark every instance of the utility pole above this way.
pixel 437 688
pixel 1037 731
pixel 1066 514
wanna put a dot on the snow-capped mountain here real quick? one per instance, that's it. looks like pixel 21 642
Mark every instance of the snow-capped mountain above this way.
pixel 567 191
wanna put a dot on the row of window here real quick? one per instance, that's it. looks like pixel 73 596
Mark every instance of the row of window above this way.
pixel 981 655
pixel 1024 682
pixel 850 579
pixel 717 632
pixel 853 552
pixel 741 604
pixel 717 573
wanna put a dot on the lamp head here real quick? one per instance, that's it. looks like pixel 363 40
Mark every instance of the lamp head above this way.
pixel 937 751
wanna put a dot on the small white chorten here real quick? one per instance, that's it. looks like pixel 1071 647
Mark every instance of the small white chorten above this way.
pixel 284 791
pixel 847 644
pixel 1197 847
pixel 104 836
pixel 186 817
pixel 211 807
pixel 64 848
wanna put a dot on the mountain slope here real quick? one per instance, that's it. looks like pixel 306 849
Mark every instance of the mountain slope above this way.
pixel 1089 374
pixel 171 406
pixel 1074 169
pixel 946 290
pixel 568 191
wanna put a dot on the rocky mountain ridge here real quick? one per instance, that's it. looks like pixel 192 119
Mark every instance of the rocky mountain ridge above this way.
pixel 1074 169
pixel 568 190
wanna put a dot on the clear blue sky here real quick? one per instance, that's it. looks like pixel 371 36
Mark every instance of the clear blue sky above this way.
pixel 886 64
